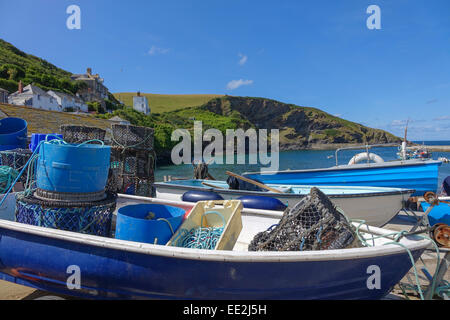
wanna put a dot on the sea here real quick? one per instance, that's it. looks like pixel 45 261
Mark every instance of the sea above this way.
pixel 296 160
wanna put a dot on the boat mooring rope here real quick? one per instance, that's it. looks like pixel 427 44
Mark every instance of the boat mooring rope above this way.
pixel 439 290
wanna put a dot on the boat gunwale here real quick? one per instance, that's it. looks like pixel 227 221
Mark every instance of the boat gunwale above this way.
pixel 223 256
pixel 395 191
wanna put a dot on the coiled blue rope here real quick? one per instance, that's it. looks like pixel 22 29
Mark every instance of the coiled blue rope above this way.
pixel 202 237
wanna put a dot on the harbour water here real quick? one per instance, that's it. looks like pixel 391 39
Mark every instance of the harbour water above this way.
pixel 303 159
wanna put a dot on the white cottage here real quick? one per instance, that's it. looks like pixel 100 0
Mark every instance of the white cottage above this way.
pixel 80 105
pixel 68 101
pixel 65 101
pixel 35 97
pixel 140 103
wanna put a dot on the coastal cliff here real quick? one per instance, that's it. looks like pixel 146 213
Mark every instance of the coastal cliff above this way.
pixel 300 127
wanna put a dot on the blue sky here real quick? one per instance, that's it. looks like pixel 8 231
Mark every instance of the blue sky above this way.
pixel 310 53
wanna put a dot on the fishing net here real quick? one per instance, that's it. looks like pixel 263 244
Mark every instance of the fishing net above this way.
pixel 313 224
pixel 16 159
pixel 79 134
pixel 133 160
pixel 136 163
pixel 92 218
pixel 130 185
pixel 127 136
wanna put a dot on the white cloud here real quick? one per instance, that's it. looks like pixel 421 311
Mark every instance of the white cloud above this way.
pixel 154 50
pixel 399 123
pixel 234 84
pixel 243 59
pixel 442 118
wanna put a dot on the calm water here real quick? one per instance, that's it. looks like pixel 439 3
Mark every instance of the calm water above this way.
pixel 299 160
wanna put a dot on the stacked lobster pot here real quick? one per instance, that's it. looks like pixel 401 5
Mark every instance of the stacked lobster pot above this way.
pixel 71 177
pixel 132 160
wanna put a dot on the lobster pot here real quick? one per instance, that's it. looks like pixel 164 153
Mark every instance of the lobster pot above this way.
pixel 90 218
pixel 16 159
pixel 131 185
pixel 133 163
pixel 80 134
pixel 132 137
pixel 132 169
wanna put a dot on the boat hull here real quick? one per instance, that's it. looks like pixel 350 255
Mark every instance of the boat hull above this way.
pixel 410 174
pixel 376 208
pixel 115 269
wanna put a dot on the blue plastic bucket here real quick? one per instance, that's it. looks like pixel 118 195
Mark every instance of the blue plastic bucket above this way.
pixel 134 224
pixel 13 134
pixel 73 168
pixel 36 138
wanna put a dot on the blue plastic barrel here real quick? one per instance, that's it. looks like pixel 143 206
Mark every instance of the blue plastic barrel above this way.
pixel 73 168
pixel 13 134
pixel 36 138
pixel 260 202
pixel 194 196
pixel 140 223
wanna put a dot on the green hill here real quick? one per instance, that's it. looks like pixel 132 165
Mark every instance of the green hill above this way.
pixel 300 127
pixel 17 65
pixel 167 102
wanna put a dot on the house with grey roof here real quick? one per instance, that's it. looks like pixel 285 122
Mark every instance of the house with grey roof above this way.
pixel 35 97
pixel 68 101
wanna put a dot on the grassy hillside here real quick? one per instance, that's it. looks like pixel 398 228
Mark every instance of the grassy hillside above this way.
pixel 17 65
pixel 167 102
pixel 300 127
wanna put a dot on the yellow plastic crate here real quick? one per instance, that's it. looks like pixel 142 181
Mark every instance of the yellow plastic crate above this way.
pixel 231 212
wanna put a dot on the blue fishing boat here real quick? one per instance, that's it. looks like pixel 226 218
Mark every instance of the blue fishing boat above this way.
pixel 421 175
pixel 108 268
pixel 375 205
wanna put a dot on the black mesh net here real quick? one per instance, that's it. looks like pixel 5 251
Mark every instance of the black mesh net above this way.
pixel 80 134
pixel 313 224
pixel 134 137
pixel 90 217
pixel 16 159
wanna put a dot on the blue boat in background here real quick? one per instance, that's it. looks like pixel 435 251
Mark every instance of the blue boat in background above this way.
pixel 418 174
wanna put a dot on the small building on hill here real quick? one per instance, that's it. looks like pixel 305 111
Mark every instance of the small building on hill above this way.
pixel 140 103
pixel 119 120
pixel 3 95
pixel 95 90
pixel 35 97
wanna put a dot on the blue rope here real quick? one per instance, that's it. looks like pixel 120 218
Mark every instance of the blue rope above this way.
pixel 201 237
